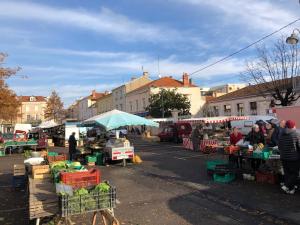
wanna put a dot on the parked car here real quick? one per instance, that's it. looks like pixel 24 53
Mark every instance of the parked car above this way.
pixel 175 132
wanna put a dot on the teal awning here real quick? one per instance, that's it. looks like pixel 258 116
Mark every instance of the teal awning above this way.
pixel 115 119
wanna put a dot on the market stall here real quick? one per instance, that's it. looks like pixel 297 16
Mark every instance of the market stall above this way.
pixel 115 148
pixel 215 132
pixel 61 189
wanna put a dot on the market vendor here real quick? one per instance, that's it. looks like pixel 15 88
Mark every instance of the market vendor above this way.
pixel 72 146
pixel 197 136
pixel 255 136
pixel 289 147
pixel 235 136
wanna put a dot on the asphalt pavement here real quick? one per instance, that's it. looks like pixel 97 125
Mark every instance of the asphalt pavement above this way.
pixel 171 186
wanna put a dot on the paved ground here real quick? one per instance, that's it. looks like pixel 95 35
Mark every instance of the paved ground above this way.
pixel 171 187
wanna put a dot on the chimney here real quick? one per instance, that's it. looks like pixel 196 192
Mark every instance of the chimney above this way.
pixel 94 93
pixel 145 74
pixel 185 80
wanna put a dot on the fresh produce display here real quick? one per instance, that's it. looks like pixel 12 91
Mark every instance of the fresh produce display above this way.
pixel 102 196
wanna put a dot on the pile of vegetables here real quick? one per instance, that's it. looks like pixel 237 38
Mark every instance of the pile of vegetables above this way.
pixel 88 200
pixel 64 166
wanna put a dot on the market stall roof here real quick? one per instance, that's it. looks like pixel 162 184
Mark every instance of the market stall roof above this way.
pixel 219 119
pixel 48 124
pixel 115 119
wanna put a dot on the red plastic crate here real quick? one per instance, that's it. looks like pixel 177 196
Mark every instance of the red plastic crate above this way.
pixel 269 178
pixel 81 179
pixel 62 157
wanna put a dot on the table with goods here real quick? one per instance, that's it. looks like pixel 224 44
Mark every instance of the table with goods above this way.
pixel 10 144
pixel 255 163
pixel 60 188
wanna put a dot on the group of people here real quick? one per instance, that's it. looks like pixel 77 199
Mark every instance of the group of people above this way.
pixel 286 138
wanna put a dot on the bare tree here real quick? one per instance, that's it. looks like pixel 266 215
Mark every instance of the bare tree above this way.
pixel 54 108
pixel 275 73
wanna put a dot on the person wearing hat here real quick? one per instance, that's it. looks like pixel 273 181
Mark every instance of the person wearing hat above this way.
pixel 289 147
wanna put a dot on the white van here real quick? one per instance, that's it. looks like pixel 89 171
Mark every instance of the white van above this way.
pixel 245 125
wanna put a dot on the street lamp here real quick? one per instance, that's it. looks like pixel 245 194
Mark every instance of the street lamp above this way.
pixel 293 39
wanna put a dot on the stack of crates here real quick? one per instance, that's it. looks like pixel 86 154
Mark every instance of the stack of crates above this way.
pixel 99 156
pixel 220 171
pixel 91 160
pixel 20 177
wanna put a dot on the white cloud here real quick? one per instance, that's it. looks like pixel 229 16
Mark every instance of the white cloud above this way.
pixel 104 22
pixel 257 14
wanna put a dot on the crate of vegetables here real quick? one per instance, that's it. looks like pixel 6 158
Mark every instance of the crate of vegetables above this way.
pixel 81 178
pixel 102 196
pixel 56 158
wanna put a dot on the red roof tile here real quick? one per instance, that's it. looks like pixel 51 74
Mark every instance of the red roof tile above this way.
pixel 164 82
pixel 37 98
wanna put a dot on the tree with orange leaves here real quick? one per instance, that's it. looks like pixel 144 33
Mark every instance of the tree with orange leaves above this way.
pixel 9 104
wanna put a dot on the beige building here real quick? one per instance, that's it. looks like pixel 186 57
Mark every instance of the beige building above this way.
pixel 218 91
pixel 73 111
pixel 119 93
pixel 243 102
pixel 87 106
pixel 32 109
pixel 105 104
pixel 138 100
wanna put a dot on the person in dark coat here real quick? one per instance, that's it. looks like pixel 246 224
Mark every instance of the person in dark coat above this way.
pixel 255 136
pixel 72 146
pixel 289 147
pixel 197 136
pixel 278 132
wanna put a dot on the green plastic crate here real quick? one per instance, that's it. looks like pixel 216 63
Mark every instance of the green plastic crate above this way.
pixel 90 159
pixel 211 165
pixel 52 154
pixel 258 155
pixel 99 156
pixel 2 153
pixel 226 178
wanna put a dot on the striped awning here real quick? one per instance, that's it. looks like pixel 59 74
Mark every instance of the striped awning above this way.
pixel 220 119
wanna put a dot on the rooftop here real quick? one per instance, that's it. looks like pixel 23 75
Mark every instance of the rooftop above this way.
pixel 165 82
pixel 32 98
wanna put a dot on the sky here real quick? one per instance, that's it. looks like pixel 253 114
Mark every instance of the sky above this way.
pixel 75 46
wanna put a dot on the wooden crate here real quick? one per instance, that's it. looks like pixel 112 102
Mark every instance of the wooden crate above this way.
pixel 19 170
pixel 40 171
pixel 91 164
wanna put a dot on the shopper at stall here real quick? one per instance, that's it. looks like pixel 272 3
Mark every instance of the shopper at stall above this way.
pixel 235 136
pixel 278 132
pixel 269 132
pixel 289 147
pixel 197 136
pixel 255 136
pixel 1 138
pixel 72 146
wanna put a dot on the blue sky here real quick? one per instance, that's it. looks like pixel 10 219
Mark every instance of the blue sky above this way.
pixel 75 46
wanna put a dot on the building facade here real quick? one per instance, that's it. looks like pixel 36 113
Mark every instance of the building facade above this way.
pixel 220 90
pixel 87 106
pixel 105 104
pixel 138 100
pixel 243 102
pixel 32 109
pixel 119 93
